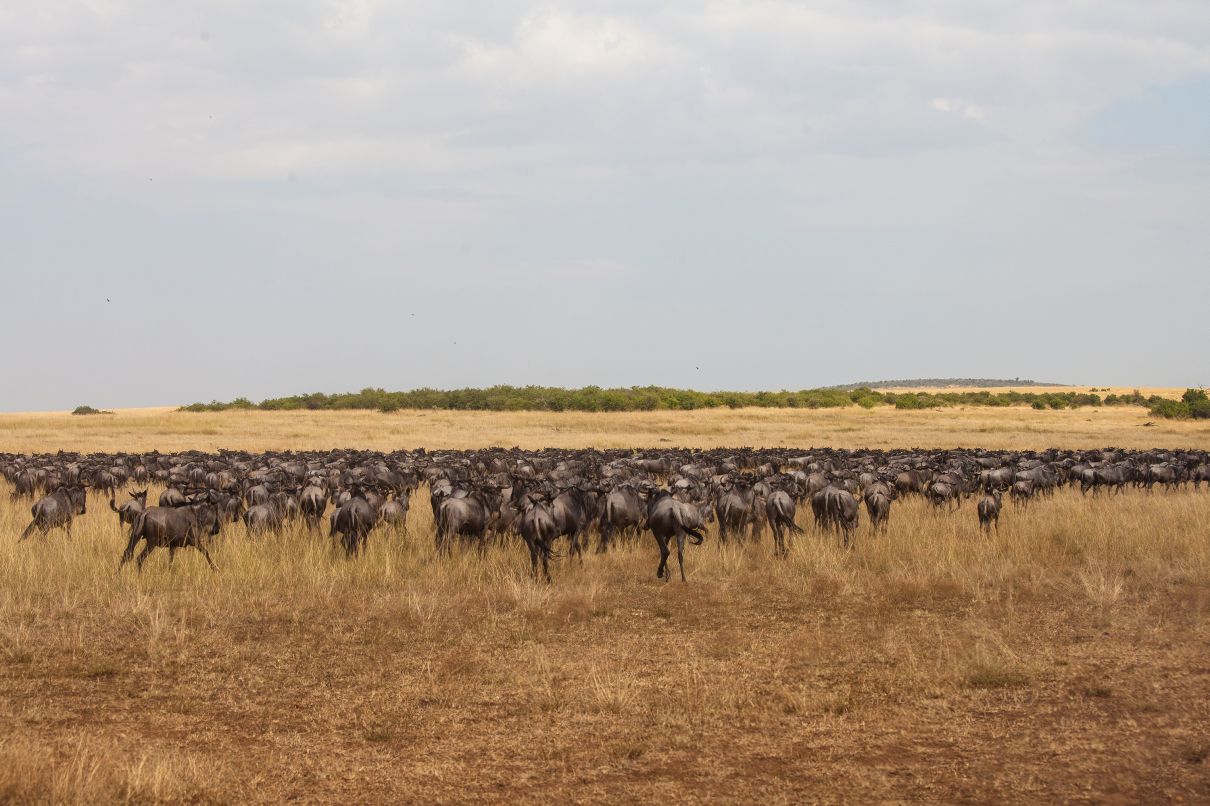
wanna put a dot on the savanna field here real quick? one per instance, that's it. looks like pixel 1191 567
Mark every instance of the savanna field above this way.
pixel 1063 657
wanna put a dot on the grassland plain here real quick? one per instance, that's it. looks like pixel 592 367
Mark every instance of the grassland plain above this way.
pixel 854 427
pixel 1066 657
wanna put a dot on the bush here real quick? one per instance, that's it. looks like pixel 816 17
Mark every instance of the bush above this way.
pixel 84 410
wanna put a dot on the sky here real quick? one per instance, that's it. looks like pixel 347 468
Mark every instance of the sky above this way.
pixel 209 200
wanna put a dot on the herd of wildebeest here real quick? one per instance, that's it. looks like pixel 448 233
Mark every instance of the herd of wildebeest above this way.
pixel 542 496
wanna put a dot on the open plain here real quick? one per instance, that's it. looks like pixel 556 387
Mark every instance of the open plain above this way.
pixel 1064 656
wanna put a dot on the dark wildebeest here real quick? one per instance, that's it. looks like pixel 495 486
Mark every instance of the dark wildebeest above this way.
pixel 172 528
pixel 1022 492
pixel 735 509
pixel 129 509
pixel 313 501
pixel 836 509
pixel 940 493
pixel 878 497
pixel 622 512
pixel 669 518
pixel 467 517
pixel 989 511
pixel 56 510
pixel 172 497
pixel 353 521
pixel 572 510
pixel 913 481
pixel 538 530
pixel 779 508
pixel 262 518
pixel 394 513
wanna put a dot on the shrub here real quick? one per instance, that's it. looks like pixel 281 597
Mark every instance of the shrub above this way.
pixel 85 410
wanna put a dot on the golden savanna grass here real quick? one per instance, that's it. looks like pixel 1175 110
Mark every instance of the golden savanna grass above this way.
pixel 882 427
pixel 1063 658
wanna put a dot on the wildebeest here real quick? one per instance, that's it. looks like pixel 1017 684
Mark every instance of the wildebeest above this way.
pixel 129 509
pixel 836 509
pixel 572 512
pixel 779 508
pixel 313 501
pixel 622 511
pixel 668 518
pixel 989 510
pixel 172 528
pixel 467 517
pixel 57 510
pixel 353 521
pixel 735 509
pixel 1022 492
pixel 878 499
pixel 394 512
pixel 539 531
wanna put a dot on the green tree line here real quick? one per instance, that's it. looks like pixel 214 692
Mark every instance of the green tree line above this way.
pixel 658 398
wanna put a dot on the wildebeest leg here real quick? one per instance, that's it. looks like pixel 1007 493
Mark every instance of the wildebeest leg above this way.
pixel 128 554
pixel 171 554
pixel 580 540
pixel 680 551
pixel 28 530
pixel 533 556
pixel 147 547
pixel 205 554
pixel 604 537
pixel 660 573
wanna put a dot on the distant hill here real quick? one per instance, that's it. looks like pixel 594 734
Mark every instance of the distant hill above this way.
pixel 941 383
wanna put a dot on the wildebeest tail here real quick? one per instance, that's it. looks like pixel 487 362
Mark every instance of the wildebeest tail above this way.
pixel 695 537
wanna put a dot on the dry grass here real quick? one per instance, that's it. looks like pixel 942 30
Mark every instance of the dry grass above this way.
pixel 1063 658
pixel 883 427
pixel 1060 659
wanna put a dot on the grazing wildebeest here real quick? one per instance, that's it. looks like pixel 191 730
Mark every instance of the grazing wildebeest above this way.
pixel 129 509
pixel 989 510
pixel 57 510
pixel 172 528
pixel 669 518
pixel 779 508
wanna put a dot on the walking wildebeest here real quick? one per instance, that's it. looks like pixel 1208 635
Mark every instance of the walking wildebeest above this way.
pixel 57 510
pixel 668 518
pixel 172 528
pixel 989 510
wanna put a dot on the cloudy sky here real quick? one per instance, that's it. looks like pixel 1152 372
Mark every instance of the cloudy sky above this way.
pixel 260 199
